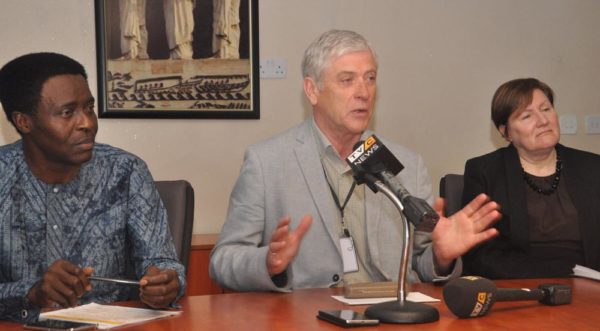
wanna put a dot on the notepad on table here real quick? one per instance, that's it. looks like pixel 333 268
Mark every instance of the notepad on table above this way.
pixel 107 316
pixel 582 271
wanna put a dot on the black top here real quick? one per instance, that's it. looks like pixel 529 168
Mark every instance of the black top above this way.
pixel 553 228
pixel 546 245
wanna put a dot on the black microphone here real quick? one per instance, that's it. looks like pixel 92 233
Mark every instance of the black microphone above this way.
pixel 472 296
pixel 371 161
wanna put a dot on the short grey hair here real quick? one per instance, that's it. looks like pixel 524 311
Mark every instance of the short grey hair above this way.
pixel 330 45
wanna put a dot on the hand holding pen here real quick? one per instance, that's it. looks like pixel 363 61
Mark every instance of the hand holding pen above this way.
pixel 61 285
pixel 115 280
pixel 159 287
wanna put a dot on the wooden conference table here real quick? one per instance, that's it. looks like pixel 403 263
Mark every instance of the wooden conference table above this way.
pixel 297 311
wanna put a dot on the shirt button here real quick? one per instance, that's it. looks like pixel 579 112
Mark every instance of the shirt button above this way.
pixel 55 190
pixel 336 277
pixel 55 226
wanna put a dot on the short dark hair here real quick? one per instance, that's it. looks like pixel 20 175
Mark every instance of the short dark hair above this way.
pixel 514 95
pixel 21 80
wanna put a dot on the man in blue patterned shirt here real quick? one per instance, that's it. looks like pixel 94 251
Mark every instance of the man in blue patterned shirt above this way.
pixel 71 208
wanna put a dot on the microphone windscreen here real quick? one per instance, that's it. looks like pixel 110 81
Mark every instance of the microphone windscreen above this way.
pixel 469 296
pixel 372 156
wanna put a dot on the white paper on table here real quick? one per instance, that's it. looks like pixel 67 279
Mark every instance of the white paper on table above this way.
pixel 582 271
pixel 412 296
pixel 107 316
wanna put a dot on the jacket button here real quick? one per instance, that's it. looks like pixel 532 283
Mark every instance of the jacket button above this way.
pixel 336 277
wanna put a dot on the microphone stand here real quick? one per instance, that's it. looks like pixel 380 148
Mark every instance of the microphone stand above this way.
pixel 401 310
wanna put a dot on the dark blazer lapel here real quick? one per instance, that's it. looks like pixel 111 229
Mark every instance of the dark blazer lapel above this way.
pixel 519 228
pixel 312 170
pixel 574 173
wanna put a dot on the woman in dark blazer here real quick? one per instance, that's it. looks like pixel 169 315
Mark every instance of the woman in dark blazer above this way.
pixel 549 193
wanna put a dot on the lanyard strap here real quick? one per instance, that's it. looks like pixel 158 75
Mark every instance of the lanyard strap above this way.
pixel 337 201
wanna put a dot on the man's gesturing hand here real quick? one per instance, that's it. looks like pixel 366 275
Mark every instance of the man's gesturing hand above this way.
pixel 457 234
pixel 284 244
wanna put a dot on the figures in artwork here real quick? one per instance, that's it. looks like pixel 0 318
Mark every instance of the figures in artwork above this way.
pixel 226 29
pixel 134 35
pixel 179 25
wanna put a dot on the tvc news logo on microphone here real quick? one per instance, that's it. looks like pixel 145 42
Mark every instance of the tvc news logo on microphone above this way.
pixel 363 151
pixel 371 156
pixel 484 301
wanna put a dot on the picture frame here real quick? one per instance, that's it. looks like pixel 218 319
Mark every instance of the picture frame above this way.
pixel 177 59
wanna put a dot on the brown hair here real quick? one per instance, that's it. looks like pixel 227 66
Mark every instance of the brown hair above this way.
pixel 514 95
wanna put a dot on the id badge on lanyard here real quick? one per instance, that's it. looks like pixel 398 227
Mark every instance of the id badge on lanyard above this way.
pixel 348 254
pixel 349 257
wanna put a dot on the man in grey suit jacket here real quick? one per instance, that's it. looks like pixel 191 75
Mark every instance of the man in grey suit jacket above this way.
pixel 299 180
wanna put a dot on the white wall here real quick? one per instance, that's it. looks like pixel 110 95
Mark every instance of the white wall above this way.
pixel 440 62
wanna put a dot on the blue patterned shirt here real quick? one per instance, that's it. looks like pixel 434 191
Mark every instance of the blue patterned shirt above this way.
pixel 109 217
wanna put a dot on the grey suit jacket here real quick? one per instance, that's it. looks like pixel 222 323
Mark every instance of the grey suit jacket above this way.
pixel 283 176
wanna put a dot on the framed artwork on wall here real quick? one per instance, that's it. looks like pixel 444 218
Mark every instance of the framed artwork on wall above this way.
pixel 177 58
